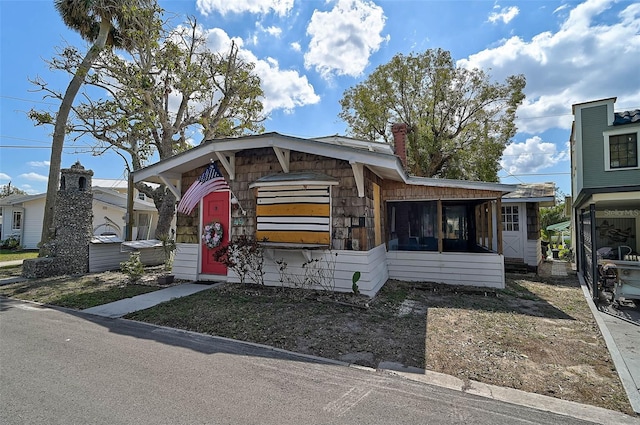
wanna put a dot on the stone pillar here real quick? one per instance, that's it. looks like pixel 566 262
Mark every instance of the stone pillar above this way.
pixel 68 251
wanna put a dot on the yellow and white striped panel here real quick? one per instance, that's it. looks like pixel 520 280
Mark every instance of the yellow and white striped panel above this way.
pixel 294 214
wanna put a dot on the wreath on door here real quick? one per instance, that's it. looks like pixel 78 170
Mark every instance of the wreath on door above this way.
pixel 212 235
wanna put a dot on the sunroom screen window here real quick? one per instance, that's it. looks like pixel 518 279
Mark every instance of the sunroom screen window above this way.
pixel 456 228
pixel 413 226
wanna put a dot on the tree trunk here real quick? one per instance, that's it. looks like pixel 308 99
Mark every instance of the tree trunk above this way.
pixel 48 232
pixel 166 210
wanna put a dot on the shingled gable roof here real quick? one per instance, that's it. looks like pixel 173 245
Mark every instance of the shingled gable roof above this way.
pixel 543 193
pixel 377 157
pixel 100 194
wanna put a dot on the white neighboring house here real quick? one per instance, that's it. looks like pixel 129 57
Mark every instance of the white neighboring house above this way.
pixel 21 216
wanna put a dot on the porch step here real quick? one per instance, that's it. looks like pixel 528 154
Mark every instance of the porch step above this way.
pixel 516 267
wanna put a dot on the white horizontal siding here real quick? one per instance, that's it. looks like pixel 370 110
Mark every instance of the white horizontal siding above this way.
pixel 294 195
pixel 371 265
pixel 32 218
pixel 306 220
pixel 185 263
pixel 449 267
pixel 294 200
pixel 293 226
pixel 108 256
pixel 271 192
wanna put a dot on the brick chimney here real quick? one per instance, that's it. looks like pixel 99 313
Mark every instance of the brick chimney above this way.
pixel 400 141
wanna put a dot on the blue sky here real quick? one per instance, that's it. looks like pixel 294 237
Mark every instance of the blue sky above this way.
pixel 308 53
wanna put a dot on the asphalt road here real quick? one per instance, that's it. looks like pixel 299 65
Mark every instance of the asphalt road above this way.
pixel 61 367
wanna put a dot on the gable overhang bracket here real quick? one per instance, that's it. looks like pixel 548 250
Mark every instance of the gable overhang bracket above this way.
pixel 175 190
pixel 358 174
pixel 284 156
pixel 229 163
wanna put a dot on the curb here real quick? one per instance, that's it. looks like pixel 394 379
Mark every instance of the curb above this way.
pixel 573 409
pixel 508 395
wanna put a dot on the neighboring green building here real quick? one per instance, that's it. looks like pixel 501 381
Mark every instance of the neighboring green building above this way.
pixel 605 184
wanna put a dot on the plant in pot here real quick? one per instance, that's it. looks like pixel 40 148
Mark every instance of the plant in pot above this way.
pixel 168 248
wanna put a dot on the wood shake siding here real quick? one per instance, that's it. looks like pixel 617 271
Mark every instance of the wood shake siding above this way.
pixel 348 212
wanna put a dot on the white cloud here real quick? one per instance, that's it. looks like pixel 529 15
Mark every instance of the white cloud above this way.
pixel 283 89
pixel 274 31
pixel 29 189
pixel 4 177
pixel 561 8
pixel 506 14
pixel 38 163
pixel 531 156
pixel 343 39
pixel 34 177
pixel 279 7
pixel 587 58
pixel 296 46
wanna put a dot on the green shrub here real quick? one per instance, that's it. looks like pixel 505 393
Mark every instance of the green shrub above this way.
pixel 12 242
pixel 133 267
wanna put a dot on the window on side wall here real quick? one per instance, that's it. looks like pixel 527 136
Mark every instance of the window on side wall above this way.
pixel 621 151
pixel 510 220
pixel 17 220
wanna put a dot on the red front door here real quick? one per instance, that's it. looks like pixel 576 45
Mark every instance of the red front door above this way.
pixel 215 207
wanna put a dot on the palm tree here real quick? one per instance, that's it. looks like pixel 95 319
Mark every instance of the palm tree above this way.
pixel 105 23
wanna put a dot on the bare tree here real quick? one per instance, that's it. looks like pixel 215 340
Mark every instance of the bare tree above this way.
pixel 166 95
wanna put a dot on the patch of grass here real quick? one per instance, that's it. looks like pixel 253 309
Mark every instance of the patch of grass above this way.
pixel 10 271
pixel 9 255
pixel 77 292
pixel 84 300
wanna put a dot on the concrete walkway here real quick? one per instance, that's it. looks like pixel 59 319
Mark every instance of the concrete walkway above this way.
pixel 10 263
pixel 141 302
pixel 10 280
pixel 622 339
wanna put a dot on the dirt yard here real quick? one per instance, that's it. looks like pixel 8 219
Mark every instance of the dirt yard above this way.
pixel 537 335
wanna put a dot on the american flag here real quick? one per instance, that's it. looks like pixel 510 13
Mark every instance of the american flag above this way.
pixel 210 181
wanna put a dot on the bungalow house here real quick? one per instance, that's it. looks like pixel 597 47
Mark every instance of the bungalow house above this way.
pixel 521 224
pixel 343 202
pixel 21 216
pixel 605 185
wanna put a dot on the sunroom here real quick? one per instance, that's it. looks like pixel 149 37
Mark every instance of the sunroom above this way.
pixel 445 231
